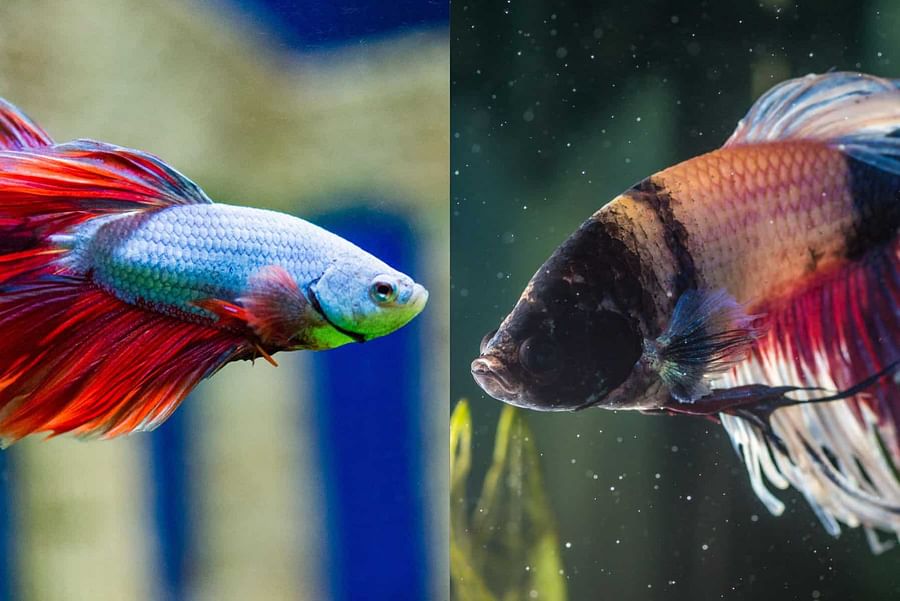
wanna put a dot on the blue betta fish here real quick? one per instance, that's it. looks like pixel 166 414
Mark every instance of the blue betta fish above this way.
pixel 122 285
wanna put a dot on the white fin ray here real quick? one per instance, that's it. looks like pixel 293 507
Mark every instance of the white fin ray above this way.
pixel 840 494
pixel 857 113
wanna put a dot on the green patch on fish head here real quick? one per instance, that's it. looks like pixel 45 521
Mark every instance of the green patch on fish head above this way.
pixel 365 300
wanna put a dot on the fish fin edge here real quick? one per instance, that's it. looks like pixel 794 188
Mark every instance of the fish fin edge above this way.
pixel 708 333
pixel 843 455
pixel 856 113
pixel 74 359
pixel 18 131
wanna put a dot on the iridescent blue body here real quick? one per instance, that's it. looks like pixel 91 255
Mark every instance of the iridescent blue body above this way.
pixel 172 258
pixel 122 285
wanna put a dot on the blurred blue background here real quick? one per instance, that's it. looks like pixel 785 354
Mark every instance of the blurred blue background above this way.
pixel 324 478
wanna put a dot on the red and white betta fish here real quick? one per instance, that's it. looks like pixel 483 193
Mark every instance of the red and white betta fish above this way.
pixel 122 285
pixel 757 284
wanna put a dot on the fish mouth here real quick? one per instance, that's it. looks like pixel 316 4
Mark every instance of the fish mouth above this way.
pixel 494 378
pixel 318 307
pixel 417 299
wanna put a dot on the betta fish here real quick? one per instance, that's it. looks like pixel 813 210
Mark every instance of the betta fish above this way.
pixel 756 285
pixel 122 285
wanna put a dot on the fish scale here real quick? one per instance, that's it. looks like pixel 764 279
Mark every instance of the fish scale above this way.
pixel 735 201
pixel 122 285
pixel 757 285
pixel 171 258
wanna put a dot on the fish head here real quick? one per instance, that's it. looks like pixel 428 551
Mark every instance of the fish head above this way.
pixel 364 298
pixel 571 339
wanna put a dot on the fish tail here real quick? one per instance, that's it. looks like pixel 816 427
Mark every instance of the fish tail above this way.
pixel 74 358
pixel 838 327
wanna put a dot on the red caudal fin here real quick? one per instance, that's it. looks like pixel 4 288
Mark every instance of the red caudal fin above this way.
pixel 74 359
pixel 17 131
pixel 831 335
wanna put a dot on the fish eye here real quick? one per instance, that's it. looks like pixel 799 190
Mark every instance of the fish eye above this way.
pixel 486 339
pixel 382 291
pixel 538 355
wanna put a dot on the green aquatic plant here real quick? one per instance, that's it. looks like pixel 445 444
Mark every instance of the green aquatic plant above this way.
pixel 506 548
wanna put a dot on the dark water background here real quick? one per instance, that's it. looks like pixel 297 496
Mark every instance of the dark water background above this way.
pixel 556 108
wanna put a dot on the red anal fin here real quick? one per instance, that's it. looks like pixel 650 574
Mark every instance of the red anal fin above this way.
pixel 75 359
pixel 227 312
pixel 236 317
pixel 17 131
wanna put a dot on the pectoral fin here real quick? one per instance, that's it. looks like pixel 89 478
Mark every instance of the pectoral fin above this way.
pixel 708 334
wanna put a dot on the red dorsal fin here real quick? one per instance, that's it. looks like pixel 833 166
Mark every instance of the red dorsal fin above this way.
pixel 17 131
pixel 93 176
pixel 63 185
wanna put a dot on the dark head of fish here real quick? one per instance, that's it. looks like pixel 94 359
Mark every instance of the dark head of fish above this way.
pixel 573 336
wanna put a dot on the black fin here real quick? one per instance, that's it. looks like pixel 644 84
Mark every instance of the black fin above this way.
pixel 757 402
pixel 709 332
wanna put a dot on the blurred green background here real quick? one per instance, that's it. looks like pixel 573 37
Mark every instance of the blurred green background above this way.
pixel 355 122
pixel 556 108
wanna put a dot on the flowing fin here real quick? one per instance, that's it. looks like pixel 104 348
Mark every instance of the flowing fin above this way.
pixel 227 312
pixel 857 113
pixel 75 359
pixel 17 131
pixel 273 311
pixel 72 357
pixel 834 334
pixel 709 333
pixel 44 191
pixel 276 306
